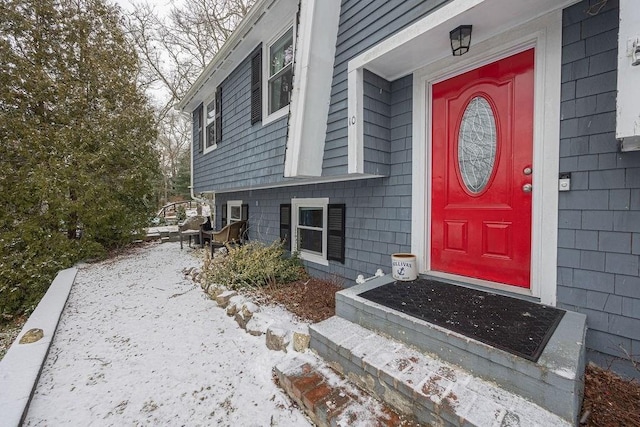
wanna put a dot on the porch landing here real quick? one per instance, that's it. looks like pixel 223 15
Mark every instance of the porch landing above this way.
pixel 445 378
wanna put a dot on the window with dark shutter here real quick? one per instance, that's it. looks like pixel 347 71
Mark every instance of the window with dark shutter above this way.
pixel 285 225
pixel 335 234
pixel 223 215
pixel 197 128
pixel 218 114
pixel 256 85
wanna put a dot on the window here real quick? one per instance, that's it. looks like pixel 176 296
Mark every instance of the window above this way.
pixel 280 72
pixel 309 229
pixel 234 211
pixel 211 125
pixel 214 121
pixel 317 229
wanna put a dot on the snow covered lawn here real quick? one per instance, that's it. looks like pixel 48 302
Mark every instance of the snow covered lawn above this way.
pixel 138 344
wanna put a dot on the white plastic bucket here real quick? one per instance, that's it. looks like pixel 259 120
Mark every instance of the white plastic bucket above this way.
pixel 404 267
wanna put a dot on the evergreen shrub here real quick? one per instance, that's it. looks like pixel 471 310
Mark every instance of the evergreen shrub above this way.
pixel 253 265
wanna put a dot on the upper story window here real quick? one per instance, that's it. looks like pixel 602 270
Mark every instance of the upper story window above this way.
pixel 211 125
pixel 278 74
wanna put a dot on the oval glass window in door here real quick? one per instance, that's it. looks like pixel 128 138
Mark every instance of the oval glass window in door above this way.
pixel 477 141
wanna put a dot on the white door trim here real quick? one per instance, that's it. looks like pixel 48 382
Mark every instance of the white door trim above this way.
pixel 545 34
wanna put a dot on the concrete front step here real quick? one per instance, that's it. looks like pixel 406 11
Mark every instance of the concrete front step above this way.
pixel 420 385
pixel 555 382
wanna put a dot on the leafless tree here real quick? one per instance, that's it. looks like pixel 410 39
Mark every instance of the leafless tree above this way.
pixel 174 48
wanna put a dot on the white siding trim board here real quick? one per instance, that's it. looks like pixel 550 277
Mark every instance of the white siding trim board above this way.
pixel 628 103
pixel 312 78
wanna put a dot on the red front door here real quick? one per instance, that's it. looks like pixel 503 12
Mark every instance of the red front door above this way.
pixel 482 144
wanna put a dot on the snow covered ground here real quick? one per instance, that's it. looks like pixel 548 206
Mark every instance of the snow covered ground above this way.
pixel 138 344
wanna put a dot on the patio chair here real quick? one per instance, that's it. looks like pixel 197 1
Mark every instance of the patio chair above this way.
pixel 191 227
pixel 232 234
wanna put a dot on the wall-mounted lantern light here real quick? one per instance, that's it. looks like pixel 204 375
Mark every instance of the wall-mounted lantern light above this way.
pixel 460 40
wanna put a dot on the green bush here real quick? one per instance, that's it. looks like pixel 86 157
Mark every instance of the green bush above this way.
pixel 77 132
pixel 253 265
pixel 181 213
pixel 29 260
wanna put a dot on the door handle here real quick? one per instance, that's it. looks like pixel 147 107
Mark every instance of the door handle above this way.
pixel 527 188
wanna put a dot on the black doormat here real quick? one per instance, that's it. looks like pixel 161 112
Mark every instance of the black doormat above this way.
pixel 520 327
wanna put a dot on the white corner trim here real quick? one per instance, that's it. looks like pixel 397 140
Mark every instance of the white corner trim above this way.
pixel 355 115
pixel 421 192
pixel 547 153
pixel 628 104
pixel 312 78
pixel 545 34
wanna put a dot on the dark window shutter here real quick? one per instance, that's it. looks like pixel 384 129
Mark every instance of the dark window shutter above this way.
pixel 285 225
pixel 197 128
pixel 223 215
pixel 335 235
pixel 218 114
pixel 244 216
pixel 256 85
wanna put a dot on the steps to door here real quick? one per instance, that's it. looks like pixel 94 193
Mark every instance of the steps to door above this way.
pixel 444 377
pixel 433 391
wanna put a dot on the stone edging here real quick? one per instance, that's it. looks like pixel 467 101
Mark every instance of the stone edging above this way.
pixel 249 317
pixel 21 366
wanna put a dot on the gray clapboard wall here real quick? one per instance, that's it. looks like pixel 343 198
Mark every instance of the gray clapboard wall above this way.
pixel 248 154
pixel 363 24
pixel 378 211
pixel 599 219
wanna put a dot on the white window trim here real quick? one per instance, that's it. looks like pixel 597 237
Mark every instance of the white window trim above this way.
pixel 266 117
pixel 208 149
pixel 545 34
pixel 233 204
pixel 310 203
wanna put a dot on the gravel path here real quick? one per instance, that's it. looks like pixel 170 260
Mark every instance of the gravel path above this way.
pixel 138 344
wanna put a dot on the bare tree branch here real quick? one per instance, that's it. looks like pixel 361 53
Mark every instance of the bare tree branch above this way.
pixel 174 48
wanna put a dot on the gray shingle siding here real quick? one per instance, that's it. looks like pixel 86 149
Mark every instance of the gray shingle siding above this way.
pixel 248 155
pixel 377 122
pixel 363 24
pixel 598 262
pixel 378 211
